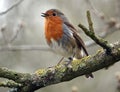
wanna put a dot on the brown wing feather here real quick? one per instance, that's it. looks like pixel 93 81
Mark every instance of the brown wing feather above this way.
pixel 80 44
pixel 78 39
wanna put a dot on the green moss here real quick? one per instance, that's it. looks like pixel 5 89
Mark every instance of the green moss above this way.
pixel 102 40
pixel 60 69
pixel 75 64
pixel 86 58
pixel 40 72
pixel 79 63
pixel 100 50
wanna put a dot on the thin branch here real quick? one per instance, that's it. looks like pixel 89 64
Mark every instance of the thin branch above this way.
pixel 107 29
pixel 12 7
pixel 105 32
pixel 14 36
pixel 98 40
pixel 17 31
pixel 3 29
pixel 90 22
pixel 25 48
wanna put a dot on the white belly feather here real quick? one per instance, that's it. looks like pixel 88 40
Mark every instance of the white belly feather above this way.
pixel 58 49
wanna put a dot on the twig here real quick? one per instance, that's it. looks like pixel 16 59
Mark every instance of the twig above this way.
pixel 109 23
pixel 14 36
pixel 13 6
pixel 3 29
pixel 25 48
pixel 106 32
pixel 90 22
pixel 17 31
pixel 98 40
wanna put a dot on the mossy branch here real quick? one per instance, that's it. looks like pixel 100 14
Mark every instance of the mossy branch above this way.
pixel 90 32
pixel 60 73
pixel 90 22
pixel 15 76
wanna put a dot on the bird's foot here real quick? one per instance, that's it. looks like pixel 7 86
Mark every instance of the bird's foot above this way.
pixel 68 63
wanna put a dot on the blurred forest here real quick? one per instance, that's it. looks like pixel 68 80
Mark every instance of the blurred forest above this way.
pixel 23 27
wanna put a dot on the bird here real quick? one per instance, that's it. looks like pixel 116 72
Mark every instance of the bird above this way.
pixel 62 37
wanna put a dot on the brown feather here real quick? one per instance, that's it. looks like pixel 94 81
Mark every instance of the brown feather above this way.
pixel 78 39
pixel 80 43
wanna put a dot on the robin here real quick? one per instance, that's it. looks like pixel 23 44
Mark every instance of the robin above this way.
pixel 62 36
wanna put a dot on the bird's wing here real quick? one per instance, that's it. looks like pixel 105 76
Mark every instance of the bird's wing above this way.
pixel 78 39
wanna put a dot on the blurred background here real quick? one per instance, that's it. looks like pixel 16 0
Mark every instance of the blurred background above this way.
pixel 22 36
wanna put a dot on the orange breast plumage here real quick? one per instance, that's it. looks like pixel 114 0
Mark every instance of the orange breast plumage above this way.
pixel 53 29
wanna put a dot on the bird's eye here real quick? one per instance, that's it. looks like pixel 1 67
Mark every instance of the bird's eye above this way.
pixel 54 14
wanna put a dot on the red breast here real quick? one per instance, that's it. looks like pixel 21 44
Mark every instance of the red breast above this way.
pixel 53 28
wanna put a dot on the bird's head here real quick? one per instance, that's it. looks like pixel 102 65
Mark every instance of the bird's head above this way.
pixel 54 15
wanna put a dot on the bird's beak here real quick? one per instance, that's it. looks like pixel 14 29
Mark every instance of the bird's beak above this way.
pixel 44 15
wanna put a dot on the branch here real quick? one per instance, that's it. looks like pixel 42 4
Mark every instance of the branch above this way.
pixel 13 6
pixel 19 27
pixel 3 29
pixel 11 75
pixel 91 34
pixel 105 32
pixel 57 74
pixel 25 48
pixel 17 30
pixel 110 23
